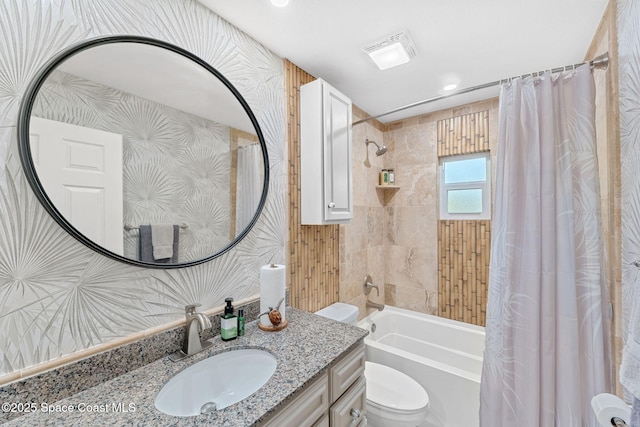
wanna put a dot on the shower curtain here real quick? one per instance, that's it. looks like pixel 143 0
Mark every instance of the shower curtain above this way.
pixel 249 185
pixel 547 347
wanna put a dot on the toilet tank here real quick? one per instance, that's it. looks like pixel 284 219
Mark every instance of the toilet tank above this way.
pixel 341 312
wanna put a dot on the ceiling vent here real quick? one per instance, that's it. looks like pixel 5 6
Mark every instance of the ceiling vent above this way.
pixel 391 51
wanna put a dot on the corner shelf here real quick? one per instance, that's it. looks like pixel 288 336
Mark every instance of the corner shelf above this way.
pixel 388 187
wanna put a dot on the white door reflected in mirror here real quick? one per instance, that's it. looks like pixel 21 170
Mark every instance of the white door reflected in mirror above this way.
pixel 82 176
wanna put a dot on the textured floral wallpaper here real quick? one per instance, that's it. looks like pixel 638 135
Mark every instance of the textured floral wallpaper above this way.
pixel 57 296
pixel 628 22
pixel 179 175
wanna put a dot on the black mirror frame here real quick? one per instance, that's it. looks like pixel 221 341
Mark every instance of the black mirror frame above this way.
pixel 24 148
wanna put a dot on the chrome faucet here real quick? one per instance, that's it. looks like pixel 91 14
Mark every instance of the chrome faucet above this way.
pixel 368 285
pixel 380 307
pixel 192 344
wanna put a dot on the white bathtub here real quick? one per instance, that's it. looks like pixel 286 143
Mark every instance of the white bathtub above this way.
pixel 444 356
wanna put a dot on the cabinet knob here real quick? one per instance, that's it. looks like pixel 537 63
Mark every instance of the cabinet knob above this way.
pixel 332 205
pixel 355 413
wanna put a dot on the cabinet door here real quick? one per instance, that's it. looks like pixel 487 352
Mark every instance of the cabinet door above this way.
pixel 349 410
pixel 305 409
pixel 337 155
pixel 346 372
pixel 322 422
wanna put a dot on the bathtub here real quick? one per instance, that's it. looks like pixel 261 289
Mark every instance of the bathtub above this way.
pixel 444 356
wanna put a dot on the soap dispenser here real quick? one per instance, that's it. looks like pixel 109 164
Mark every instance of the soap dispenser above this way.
pixel 228 322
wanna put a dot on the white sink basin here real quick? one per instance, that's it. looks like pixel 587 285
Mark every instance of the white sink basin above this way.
pixel 216 382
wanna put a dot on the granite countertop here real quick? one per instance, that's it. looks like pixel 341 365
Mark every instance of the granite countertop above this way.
pixel 307 346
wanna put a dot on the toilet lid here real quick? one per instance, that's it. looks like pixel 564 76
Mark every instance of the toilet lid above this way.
pixel 341 312
pixel 391 388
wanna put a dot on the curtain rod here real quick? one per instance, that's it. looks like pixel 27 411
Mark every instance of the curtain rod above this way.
pixel 600 62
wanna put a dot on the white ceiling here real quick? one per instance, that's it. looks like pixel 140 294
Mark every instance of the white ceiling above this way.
pixel 469 42
pixel 161 76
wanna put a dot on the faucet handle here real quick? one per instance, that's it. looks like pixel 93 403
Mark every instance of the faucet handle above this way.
pixel 191 309
pixel 368 285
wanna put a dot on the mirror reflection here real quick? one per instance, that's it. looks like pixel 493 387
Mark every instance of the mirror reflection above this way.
pixel 146 153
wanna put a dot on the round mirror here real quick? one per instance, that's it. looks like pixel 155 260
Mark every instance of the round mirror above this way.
pixel 143 152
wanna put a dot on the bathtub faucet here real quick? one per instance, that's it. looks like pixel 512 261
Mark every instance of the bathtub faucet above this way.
pixel 380 307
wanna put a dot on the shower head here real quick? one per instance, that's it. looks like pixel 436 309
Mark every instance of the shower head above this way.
pixel 379 151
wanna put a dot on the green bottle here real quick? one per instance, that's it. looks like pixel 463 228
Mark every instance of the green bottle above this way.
pixel 240 322
pixel 228 322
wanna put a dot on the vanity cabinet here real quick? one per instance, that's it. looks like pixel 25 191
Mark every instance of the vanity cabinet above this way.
pixel 346 372
pixel 326 194
pixel 306 409
pixel 347 389
pixel 336 399
pixel 349 409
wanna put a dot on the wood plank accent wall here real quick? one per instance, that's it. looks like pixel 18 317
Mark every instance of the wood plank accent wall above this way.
pixel 463 269
pixel 313 256
pixel 463 134
pixel 463 245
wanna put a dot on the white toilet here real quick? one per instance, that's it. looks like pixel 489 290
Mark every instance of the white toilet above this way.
pixel 345 313
pixel 394 399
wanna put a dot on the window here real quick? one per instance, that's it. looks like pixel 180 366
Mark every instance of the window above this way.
pixel 465 186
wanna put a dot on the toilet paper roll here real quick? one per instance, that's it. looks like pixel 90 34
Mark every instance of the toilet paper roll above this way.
pixel 606 406
pixel 272 291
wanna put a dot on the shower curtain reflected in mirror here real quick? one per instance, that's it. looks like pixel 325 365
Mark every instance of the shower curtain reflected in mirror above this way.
pixel 249 184
pixel 547 343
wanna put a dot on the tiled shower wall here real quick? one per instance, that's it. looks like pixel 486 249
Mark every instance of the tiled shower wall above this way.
pixel 411 225
pixel 394 233
pixel 57 297
pixel 362 250
pixel 463 245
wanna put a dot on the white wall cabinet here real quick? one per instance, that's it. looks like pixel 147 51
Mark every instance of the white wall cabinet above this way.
pixel 325 155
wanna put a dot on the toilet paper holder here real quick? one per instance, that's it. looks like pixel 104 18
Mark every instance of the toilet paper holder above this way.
pixel 610 410
pixel 618 422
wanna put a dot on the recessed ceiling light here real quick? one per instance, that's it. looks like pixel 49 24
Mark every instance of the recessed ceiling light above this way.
pixel 391 51
pixel 280 3
pixel 451 86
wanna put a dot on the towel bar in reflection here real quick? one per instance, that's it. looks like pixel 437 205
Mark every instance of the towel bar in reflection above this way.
pixel 128 227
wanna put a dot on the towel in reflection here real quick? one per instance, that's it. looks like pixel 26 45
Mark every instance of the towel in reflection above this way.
pixel 146 245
